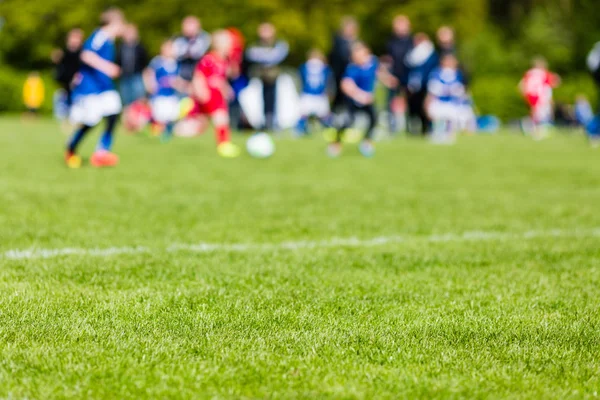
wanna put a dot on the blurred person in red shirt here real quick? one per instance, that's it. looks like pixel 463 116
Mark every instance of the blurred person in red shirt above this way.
pixel 536 86
pixel 211 91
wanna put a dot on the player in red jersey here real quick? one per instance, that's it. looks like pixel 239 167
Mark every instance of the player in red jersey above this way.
pixel 211 91
pixel 536 86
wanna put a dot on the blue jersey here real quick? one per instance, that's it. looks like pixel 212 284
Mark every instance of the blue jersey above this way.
pixel 165 73
pixel 315 76
pixel 447 85
pixel 92 81
pixel 364 76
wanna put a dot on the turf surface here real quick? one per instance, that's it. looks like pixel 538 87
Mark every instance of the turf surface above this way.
pixel 502 313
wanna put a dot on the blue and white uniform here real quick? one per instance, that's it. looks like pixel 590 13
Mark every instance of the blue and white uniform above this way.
pixel 364 76
pixel 165 102
pixel 450 101
pixel 94 96
pixel 316 78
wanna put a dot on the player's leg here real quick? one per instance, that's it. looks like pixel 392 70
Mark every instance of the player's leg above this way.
pixel 71 158
pixel 305 111
pixel 220 120
pixel 367 147
pixel 347 116
pixel 85 114
pixel 269 98
pixel 111 109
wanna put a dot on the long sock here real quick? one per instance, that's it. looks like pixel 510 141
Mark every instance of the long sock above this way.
pixel 77 137
pixel 223 134
pixel 303 125
pixel 106 139
pixel 168 131
pixel 327 121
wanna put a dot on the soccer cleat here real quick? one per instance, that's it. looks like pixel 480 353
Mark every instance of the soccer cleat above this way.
pixel 104 158
pixel 72 160
pixel 334 150
pixel 366 148
pixel 228 150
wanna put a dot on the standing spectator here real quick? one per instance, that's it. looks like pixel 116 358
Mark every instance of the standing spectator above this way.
pixel 420 61
pixel 190 46
pixel 132 58
pixel 398 47
pixel 445 41
pixel 340 55
pixel 593 63
pixel 68 61
pixel 264 59
pixel 446 45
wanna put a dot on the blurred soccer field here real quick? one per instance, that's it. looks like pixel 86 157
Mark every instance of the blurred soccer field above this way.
pixel 427 272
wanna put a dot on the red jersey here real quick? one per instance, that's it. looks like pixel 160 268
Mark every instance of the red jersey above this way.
pixel 538 84
pixel 214 69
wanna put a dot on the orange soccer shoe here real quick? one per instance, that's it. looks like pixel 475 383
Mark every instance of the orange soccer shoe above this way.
pixel 104 158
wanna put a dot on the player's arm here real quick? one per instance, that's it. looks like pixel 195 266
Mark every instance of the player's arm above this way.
pixel 200 88
pixel 181 85
pixel 351 90
pixel 226 89
pixel 554 80
pixel 95 61
pixel 149 78
pixel 384 75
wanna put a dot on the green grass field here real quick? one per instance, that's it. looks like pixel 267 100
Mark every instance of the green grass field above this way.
pixel 470 271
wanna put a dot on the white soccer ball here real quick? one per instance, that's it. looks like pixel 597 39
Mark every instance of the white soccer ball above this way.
pixel 260 145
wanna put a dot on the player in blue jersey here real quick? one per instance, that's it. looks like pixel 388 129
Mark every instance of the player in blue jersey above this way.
pixel 162 81
pixel 316 78
pixel 446 99
pixel 94 95
pixel 358 84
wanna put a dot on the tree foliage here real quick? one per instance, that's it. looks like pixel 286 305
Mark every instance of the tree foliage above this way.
pixel 496 35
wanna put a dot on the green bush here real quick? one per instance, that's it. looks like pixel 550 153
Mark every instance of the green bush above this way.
pixel 499 94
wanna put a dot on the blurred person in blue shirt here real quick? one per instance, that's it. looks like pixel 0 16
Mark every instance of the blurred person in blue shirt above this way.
pixel 447 99
pixel 358 84
pixel 164 84
pixel 94 94
pixel 316 78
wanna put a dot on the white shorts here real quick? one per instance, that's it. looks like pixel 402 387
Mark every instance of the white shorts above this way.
pixel 314 105
pixel 467 120
pixel 443 111
pixel 90 109
pixel 165 109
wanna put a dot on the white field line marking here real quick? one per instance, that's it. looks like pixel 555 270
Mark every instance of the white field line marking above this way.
pixel 474 236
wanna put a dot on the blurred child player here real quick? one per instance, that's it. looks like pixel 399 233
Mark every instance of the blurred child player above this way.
pixel 358 84
pixel 536 86
pixel 94 96
pixel 162 82
pixel 211 91
pixel 316 78
pixel 446 100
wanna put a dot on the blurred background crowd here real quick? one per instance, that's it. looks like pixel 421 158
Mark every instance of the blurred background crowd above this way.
pixel 494 41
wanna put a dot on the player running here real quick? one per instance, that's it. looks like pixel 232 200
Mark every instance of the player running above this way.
pixel 94 96
pixel 211 91
pixel 162 81
pixel 317 78
pixel 536 86
pixel 358 83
